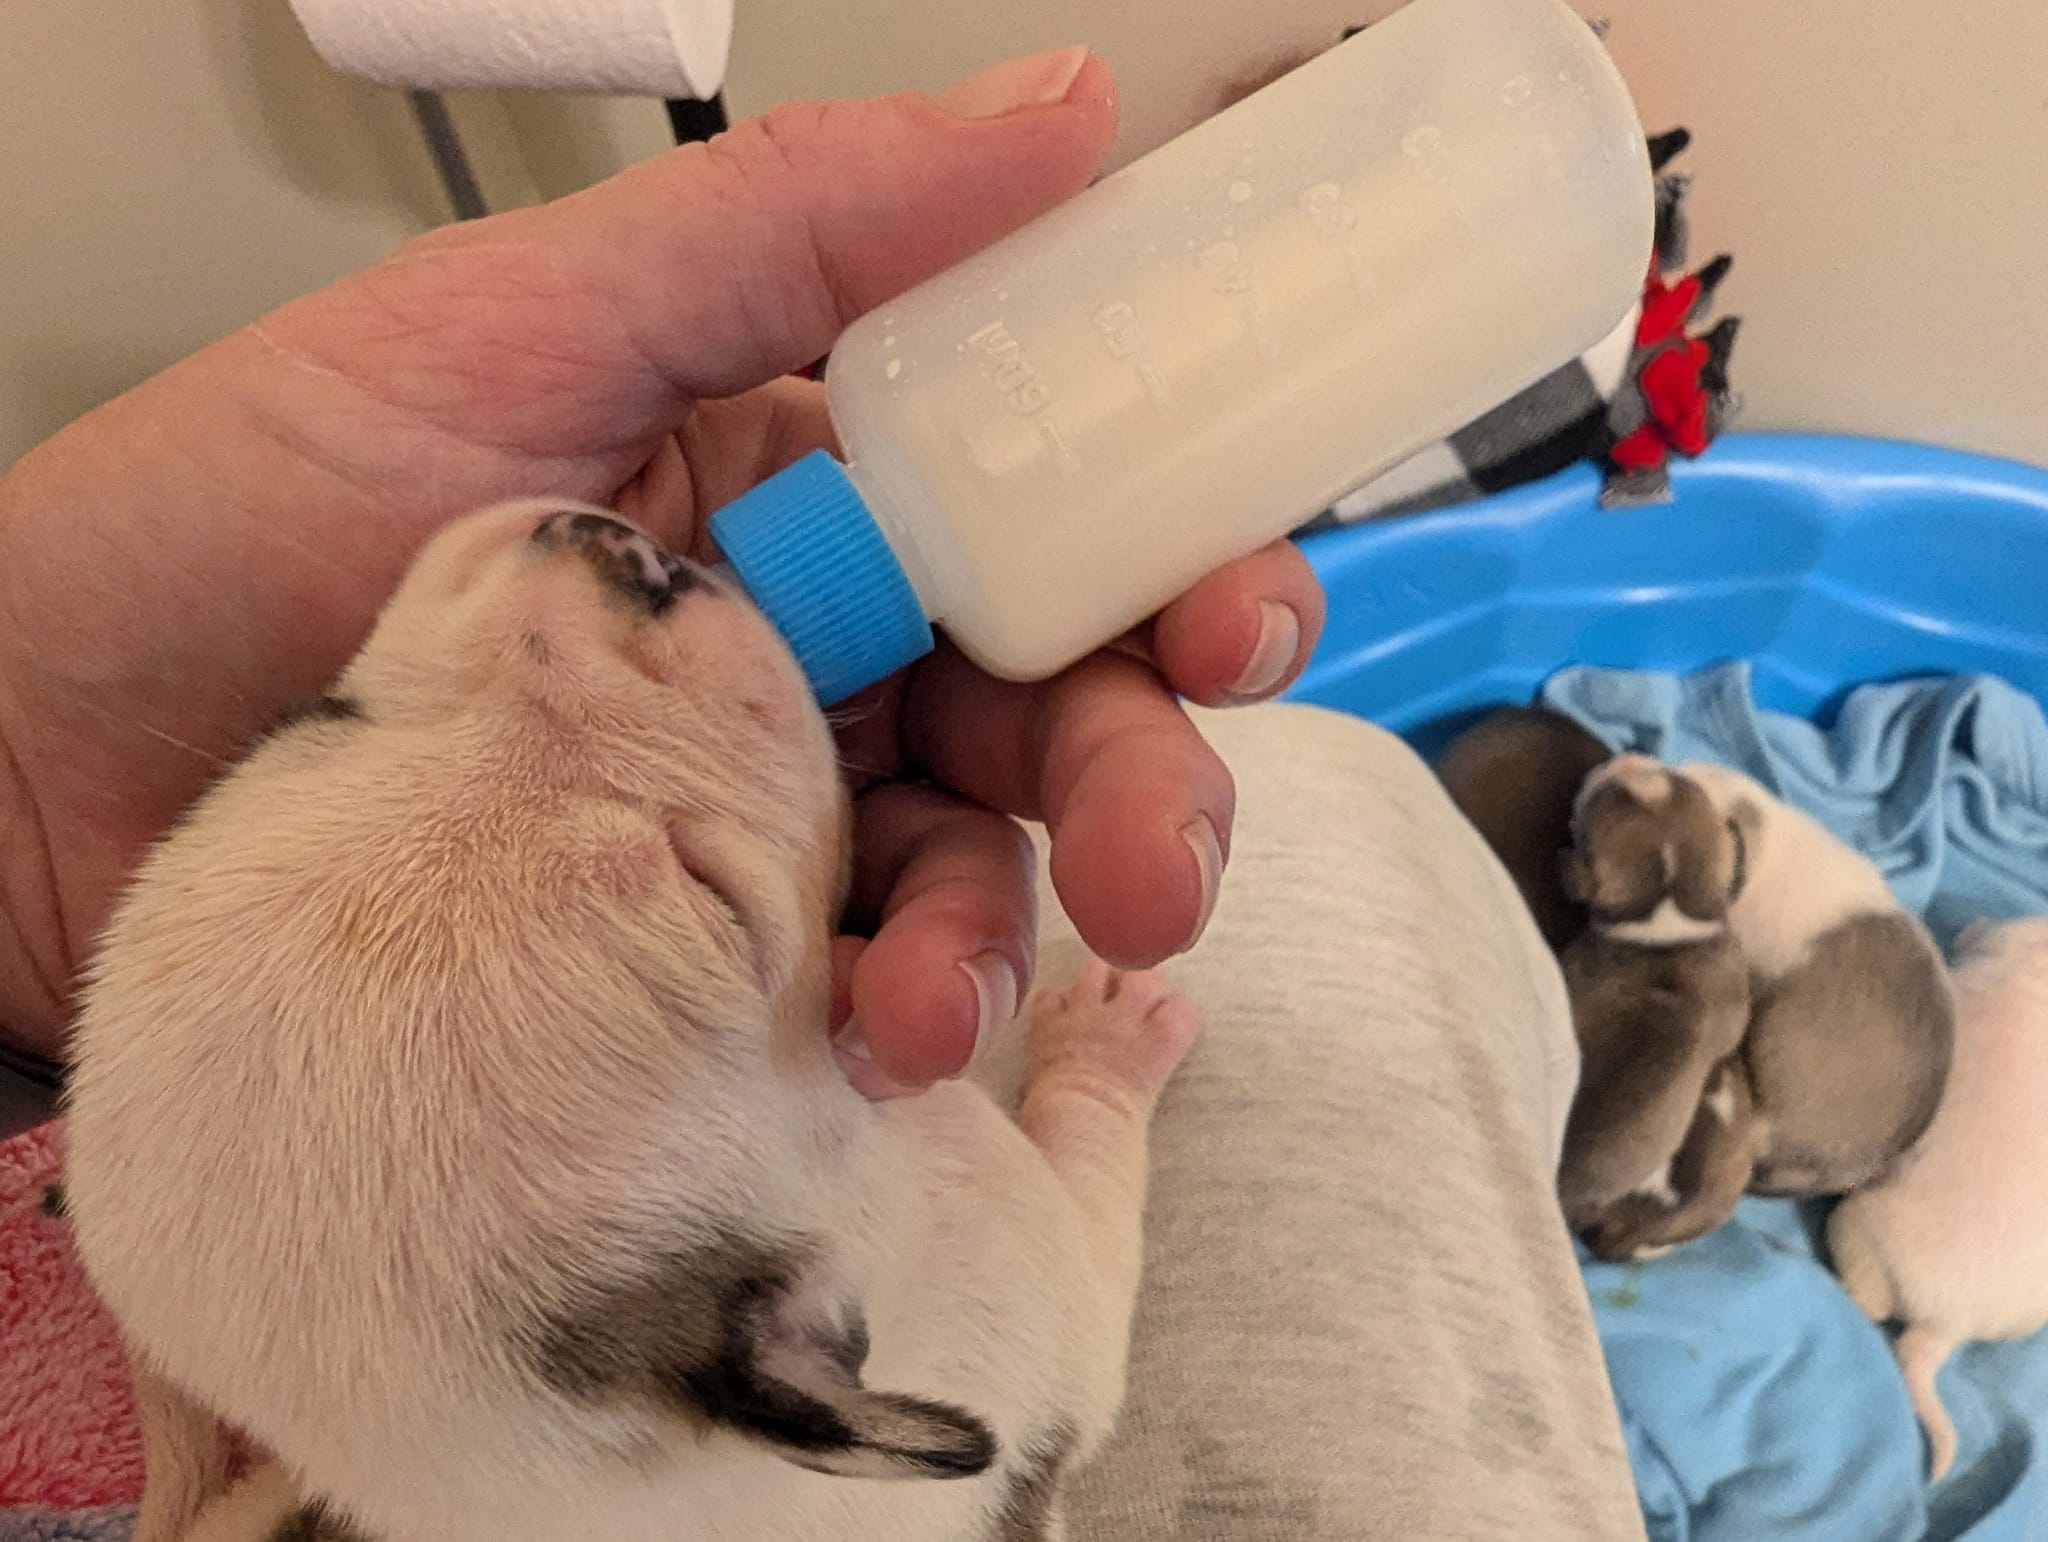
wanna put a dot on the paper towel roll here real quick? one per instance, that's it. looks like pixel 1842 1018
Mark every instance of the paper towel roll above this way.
pixel 666 48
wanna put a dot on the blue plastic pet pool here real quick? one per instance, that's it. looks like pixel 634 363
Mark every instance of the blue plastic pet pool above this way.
pixel 1755 1400
pixel 1828 561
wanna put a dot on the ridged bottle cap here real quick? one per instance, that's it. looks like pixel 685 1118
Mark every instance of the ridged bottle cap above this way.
pixel 811 556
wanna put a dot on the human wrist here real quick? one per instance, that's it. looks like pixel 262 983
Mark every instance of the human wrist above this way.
pixel 34 968
pixel 31 1014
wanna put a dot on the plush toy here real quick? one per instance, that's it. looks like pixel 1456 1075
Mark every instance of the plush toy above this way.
pixel 1649 390
pixel 1676 397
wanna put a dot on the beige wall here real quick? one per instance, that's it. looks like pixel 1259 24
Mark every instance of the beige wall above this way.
pixel 1879 182
pixel 1878 170
pixel 172 168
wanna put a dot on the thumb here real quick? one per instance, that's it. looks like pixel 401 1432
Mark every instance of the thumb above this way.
pixel 734 261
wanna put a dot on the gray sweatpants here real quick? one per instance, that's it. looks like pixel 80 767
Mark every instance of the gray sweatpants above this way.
pixel 1361 1316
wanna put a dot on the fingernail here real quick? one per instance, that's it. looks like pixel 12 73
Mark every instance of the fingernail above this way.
pixel 1279 638
pixel 857 1064
pixel 995 997
pixel 1200 834
pixel 1040 80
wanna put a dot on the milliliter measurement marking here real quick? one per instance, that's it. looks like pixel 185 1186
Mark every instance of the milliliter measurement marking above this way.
pixel 1337 223
pixel 1126 339
pixel 1003 360
pixel 1226 267
pixel 1062 453
pixel 1424 148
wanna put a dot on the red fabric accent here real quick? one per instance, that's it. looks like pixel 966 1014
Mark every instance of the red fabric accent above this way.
pixel 1675 404
pixel 1669 379
pixel 68 1438
pixel 1643 450
pixel 1671 390
pixel 1677 407
pixel 1665 309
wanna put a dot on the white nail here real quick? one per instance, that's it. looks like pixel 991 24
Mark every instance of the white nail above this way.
pixel 1273 654
pixel 995 997
pixel 1201 837
pixel 857 1064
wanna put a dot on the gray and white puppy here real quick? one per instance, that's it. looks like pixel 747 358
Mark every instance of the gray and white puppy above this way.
pixel 1660 1000
pixel 454 1112
pixel 1853 1027
pixel 1515 775
pixel 1709 1175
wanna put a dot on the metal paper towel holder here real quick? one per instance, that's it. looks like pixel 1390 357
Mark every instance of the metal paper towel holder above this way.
pixel 702 31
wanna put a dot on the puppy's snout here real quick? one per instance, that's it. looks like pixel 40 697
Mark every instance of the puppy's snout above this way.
pixel 629 561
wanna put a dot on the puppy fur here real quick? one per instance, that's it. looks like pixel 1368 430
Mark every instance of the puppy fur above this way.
pixel 1660 999
pixel 1515 775
pixel 454 1113
pixel 1953 1242
pixel 1854 1020
pixel 1708 1176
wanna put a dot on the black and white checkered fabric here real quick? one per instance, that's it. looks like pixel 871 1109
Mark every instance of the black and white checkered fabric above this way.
pixel 1560 420
pixel 1575 413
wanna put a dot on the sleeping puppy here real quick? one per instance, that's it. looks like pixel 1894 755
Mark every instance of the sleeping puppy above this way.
pixel 1660 999
pixel 1854 1023
pixel 1708 1176
pixel 1953 1241
pixel 1516 776
pixel 454 1111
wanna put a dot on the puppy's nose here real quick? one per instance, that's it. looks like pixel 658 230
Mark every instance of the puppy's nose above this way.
pixel 629 561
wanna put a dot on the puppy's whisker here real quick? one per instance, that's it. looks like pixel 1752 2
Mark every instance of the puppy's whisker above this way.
pixel 844 716
pixel 863 778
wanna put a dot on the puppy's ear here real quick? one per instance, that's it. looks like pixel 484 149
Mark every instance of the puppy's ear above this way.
pixel 791 1380
pixel 1708 881
pixel 1575 875
pixel 1745 831
pixel 1738 860
pixel 754 1335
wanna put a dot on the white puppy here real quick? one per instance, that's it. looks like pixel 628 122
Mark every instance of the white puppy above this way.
pixel 1954 1241
pixel 454 1112
pixel 1852 1022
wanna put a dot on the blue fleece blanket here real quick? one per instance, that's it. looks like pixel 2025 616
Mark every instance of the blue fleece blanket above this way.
pixel 1757 1402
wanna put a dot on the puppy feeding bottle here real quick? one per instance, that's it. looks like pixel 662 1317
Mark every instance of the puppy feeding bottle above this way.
pixel 1052 439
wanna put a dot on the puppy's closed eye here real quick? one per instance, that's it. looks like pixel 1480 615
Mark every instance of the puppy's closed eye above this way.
pixel 315 1523
pixel 331 708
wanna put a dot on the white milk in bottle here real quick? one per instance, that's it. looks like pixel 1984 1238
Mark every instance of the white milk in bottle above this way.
pixel 1047 442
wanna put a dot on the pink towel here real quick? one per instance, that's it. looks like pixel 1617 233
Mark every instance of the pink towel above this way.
pixel 68 1438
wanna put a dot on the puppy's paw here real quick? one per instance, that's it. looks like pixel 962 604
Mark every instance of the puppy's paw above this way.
pixel 1129 1030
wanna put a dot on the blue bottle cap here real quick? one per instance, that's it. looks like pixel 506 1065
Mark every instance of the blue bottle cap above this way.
pixel 811 556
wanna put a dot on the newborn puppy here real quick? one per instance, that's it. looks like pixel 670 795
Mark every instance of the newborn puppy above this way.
pixel 1953 1241
pixel 1660 998
pixel 454 1111
pixel 1851 1033
pixel 1516 776
pixel 1708 1175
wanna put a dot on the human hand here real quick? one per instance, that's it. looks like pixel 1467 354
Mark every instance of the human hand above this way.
pixel 193 558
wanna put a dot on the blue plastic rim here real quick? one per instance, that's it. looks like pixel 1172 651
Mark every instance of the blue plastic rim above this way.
pixel 1828 561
